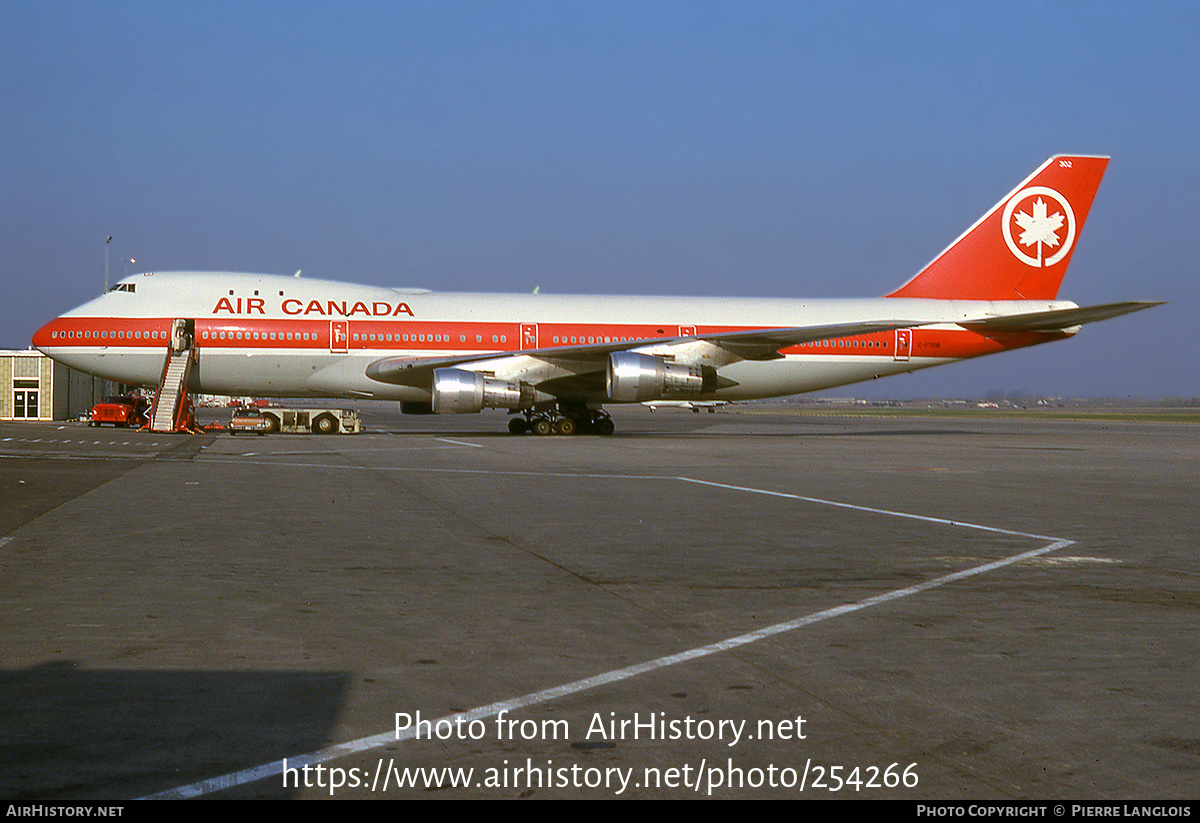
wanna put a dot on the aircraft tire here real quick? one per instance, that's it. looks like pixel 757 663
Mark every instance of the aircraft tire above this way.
pixel 605 426
pixel 565 426
pixel 518 425
pixel 542 426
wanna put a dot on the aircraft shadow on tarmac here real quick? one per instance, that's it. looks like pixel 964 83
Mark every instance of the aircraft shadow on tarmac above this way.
pixel 72 733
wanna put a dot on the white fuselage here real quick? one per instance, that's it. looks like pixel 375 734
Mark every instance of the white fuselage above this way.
pixel 271 335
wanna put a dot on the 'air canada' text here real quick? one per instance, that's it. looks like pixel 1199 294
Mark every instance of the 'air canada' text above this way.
pixel 329 308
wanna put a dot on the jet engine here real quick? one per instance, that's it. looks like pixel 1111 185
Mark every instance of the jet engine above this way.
pixel 458 391
pixel 634 378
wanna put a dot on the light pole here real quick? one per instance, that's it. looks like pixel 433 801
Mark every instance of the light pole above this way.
pixel 106 242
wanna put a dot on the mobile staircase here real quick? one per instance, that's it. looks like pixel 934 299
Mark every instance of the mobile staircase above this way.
pixel 172 410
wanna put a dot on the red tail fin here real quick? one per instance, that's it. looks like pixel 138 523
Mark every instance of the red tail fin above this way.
pixel 1021 248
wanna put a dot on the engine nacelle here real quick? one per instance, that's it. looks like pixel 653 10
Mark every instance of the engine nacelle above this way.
pixel 458 391
pixel 634 378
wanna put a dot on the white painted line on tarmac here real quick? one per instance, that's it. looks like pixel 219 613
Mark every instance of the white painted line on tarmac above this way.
pixel 868 509
pixel 458 442
pixel 275 768
pixel 325 755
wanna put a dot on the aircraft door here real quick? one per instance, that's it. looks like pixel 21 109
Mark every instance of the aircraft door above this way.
pixel 529 336
pixel 903 344
pixel 687 331
pixel 183 334
pixel 339 336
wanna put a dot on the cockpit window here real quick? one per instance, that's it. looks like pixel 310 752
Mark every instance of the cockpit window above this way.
pixel 124 287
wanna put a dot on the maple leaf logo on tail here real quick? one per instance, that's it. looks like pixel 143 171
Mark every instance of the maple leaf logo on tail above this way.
pixel 1039 227
pixel 1042 232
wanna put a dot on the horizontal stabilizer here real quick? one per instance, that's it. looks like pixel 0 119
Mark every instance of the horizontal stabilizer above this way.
pixel 1058 319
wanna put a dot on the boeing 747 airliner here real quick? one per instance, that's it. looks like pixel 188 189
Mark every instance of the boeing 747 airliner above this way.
pixel 554 361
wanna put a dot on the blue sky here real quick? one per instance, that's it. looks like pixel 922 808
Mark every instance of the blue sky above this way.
pixel 752 148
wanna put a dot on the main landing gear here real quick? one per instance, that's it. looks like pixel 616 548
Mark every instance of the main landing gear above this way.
pixel 562 418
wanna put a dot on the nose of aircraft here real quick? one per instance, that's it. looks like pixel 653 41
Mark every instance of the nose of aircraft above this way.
pixel 61 331
pixel 46 336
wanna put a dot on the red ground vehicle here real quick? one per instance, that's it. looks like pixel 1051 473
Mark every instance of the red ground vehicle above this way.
pixel 123 411
pixel 249 420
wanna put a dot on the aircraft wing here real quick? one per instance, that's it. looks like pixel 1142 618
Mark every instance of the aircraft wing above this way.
pixel 1057 319
pixel 765 344
pixel 750 344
